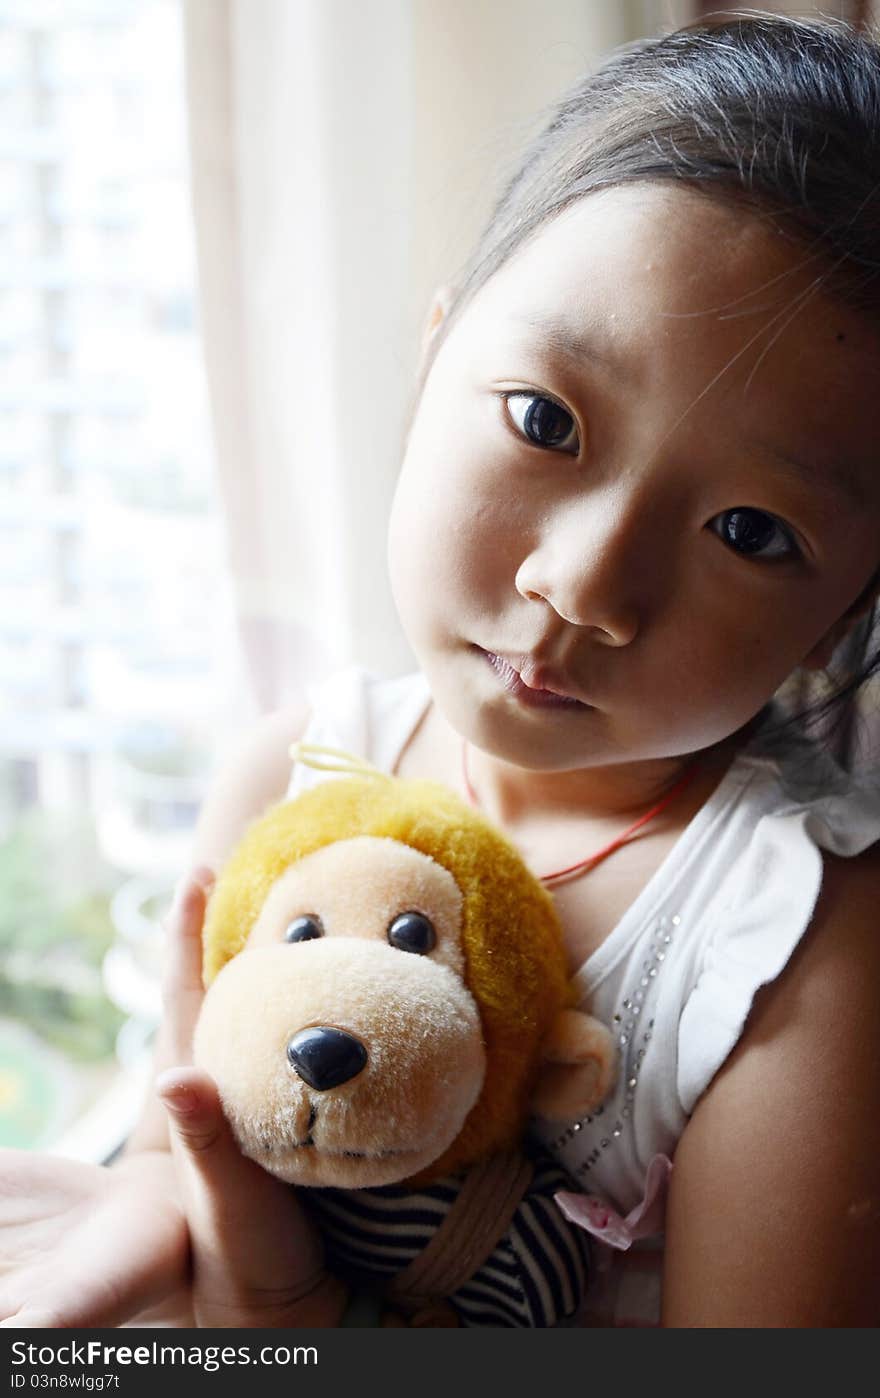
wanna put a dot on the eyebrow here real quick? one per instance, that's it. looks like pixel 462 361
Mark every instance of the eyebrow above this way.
pixel 561 336
pixel 837 478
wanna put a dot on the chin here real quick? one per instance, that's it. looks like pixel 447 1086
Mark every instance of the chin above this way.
pixel 539 740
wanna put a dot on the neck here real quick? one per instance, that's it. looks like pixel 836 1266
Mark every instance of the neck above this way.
pixel 508 794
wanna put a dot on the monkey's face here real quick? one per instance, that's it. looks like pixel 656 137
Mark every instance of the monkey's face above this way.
pixel 346 1045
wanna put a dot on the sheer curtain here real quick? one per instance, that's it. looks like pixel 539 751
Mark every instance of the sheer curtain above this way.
pixel 343 157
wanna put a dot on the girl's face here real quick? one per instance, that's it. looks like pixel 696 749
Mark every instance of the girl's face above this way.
pixel 643 473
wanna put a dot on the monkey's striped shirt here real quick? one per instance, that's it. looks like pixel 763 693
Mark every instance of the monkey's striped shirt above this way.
pixel 536 1276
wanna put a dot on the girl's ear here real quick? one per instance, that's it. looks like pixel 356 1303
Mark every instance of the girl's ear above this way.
pixel 439 310
pixel 820 656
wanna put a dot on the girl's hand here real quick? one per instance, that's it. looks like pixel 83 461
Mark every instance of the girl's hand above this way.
pixel 83 1245
pixel 256 1261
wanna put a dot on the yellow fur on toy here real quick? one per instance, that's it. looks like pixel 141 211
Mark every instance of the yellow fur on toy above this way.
pixel 453 1038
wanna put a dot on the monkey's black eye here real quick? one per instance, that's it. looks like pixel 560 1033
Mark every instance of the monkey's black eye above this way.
pixel 303 929
pixel 412 932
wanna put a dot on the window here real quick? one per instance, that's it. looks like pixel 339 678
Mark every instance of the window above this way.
pixel 113 602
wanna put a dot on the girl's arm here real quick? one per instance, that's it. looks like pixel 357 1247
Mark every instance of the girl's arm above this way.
pixel 774 1209
pixel 255 776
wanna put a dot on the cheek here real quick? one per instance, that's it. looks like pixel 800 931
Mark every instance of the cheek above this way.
pixel 451 535
pixel 455 473
pixel 718 671
pixel 411 562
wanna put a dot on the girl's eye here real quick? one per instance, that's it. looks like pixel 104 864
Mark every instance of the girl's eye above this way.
pixel 412 932
pixel 304 929
pixel 754 534
pixel 543 422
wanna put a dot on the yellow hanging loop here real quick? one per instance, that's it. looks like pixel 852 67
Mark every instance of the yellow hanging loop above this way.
pixel 333 760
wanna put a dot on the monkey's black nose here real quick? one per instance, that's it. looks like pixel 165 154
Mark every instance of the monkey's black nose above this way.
pixel 325 1057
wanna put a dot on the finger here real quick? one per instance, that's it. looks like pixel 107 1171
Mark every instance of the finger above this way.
pixel 183 967
pixel 182 989
pixel 243 1223
pixel 197 1121
pixel 217 1175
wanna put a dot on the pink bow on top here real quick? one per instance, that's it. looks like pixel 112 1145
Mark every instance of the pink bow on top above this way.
pixel 597 1216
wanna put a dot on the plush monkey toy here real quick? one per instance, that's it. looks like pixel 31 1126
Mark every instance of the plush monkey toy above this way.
pixel 388 1000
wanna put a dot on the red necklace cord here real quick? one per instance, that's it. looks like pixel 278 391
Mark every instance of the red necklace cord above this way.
pixel 583 866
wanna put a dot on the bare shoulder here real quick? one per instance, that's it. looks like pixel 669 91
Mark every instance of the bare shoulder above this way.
pixel 836 968
pixel 253 776
pixel 774 1210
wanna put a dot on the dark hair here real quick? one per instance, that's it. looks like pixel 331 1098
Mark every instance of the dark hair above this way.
pixel 778 113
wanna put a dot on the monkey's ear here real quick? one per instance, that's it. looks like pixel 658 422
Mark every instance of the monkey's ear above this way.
pixel 578 1067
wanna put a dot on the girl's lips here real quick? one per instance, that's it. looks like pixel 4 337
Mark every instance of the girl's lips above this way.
pixel 514 683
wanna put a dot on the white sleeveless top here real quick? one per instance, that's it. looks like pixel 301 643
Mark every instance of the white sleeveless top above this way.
pixel 676 977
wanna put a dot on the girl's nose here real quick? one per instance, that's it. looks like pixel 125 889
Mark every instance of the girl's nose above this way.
pixel 588 570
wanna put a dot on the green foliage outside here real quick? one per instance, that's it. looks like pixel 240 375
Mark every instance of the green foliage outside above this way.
pixel 55 927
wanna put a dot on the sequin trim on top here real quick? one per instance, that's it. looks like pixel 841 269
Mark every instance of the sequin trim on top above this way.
pixel 633 1043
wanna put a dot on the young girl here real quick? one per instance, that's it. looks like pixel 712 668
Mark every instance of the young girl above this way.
pixel 639 494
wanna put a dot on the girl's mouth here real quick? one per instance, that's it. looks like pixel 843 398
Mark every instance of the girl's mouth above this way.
pixel 513 682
